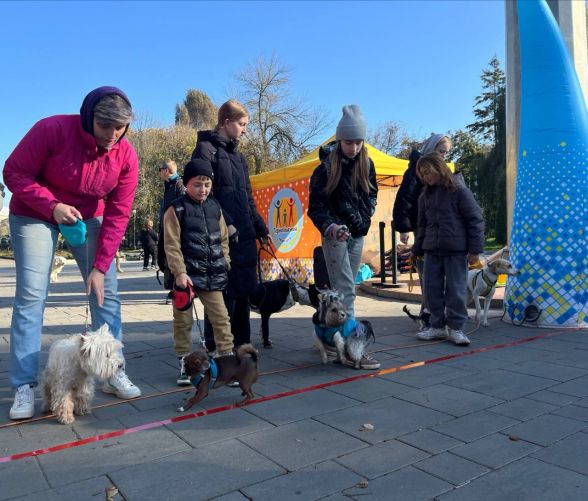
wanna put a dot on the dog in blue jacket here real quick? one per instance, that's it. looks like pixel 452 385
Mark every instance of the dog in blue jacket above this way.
pixel 334 329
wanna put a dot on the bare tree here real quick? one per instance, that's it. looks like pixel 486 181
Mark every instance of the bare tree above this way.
pixel 280 127
pixel 391 138
pixel 196 111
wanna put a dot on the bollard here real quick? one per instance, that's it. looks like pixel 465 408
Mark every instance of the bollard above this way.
pixel 382 254
pixel 394 255
pixel 382 282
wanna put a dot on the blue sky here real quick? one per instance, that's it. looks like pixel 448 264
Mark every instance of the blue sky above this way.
pixel 414 62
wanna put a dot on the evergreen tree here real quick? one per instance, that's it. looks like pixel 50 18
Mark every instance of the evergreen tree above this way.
pixel 487 175
pixel 487 104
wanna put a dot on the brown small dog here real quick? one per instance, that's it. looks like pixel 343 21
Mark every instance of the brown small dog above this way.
pixel 241 368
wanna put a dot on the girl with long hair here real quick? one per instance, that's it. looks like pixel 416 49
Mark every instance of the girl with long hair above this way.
pixel 343 193
pixel 232 189
pixel 450 234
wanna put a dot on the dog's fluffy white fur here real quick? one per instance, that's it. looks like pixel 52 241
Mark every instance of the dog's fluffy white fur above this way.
pixel 483 283
pixel 74 362
pixel 56 267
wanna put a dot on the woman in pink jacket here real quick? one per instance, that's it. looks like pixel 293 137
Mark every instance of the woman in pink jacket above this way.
pixel 69 167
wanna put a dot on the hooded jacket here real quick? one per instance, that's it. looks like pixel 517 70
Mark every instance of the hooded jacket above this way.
pixel 58 161
pixel 343 206
pixel 232 189
pixel 405 210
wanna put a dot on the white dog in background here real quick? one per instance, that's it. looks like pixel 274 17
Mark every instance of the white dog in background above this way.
pixel 74 362
pixel 56 267
pixel 482 283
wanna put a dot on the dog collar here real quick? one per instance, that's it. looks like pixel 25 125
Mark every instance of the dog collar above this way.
pixel 213 369
pixel 489 283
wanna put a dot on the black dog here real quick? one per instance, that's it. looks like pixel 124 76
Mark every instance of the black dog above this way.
pixel 279 295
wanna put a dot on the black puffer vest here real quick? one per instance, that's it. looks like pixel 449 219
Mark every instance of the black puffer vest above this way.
pixel 201 243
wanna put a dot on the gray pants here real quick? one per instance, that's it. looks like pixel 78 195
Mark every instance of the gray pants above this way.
pixel 343 260
pixel 446 290
pixel 420 266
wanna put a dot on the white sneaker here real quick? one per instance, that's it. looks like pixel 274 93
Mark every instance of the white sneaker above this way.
pixel 24 403
pixel 458 337
pixel 432 334
pixel 121 386
pixel 183 378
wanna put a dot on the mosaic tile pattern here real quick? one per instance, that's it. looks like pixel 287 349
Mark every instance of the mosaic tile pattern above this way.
pixel 549 236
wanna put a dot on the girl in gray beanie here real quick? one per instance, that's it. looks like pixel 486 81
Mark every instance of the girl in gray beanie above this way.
pixel 343 193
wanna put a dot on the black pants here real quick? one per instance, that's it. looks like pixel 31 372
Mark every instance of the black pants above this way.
pixel 239 315
pixel 148 251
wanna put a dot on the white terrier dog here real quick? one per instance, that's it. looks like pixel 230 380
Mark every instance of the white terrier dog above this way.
pixel 482 283
pixel 74 362
pixel 56 267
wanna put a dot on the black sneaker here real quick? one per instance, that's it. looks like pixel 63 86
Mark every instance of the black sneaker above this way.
pixel 183 379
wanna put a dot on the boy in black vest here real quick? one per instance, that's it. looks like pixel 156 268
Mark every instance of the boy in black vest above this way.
pixel 196 241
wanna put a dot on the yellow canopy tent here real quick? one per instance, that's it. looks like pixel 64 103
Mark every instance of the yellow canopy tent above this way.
pixel 281 197
pixel 389 170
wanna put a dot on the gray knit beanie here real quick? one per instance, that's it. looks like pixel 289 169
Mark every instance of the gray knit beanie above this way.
pixel 352 126
pixel 430 144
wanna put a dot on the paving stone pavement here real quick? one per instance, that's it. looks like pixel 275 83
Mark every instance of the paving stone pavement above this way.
pixel 510 423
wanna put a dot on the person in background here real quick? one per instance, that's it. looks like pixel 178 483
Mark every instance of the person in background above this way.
pixel 232 189
pixel 69 168
pixel 343 197
pixel 196 242
pixel 117 258
pixel 149 240
pixel 405 210
pixel 450 234
pixel 173 188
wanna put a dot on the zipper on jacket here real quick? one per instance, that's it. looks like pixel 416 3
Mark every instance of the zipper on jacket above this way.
pixel 208 267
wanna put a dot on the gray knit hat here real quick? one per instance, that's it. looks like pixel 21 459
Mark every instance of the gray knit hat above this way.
pixel 352 126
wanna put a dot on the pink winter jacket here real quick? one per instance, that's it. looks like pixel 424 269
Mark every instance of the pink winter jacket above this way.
pixel 57 161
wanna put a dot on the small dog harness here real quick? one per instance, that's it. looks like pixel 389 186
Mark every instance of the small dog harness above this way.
pixel 213 369
pixel 325 334
pixel 489 284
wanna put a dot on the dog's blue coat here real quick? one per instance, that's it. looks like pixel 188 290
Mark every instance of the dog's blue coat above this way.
pixel 325 334
pixel 213 374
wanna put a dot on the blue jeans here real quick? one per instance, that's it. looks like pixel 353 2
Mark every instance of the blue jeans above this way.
pixel 34 243
pixel 343 260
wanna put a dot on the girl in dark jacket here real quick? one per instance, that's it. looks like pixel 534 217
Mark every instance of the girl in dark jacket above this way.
pixel 405 211
pixel 232 189
pixel 343 193
pixel 450 234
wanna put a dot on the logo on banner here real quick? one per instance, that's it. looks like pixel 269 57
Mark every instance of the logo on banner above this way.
pixel 285 219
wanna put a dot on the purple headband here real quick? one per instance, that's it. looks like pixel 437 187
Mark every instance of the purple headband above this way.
pixel 91 100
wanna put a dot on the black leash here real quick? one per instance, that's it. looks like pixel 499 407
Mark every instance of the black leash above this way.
pixel 293 284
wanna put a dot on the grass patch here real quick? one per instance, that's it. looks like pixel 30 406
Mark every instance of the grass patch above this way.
pixel 490 244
